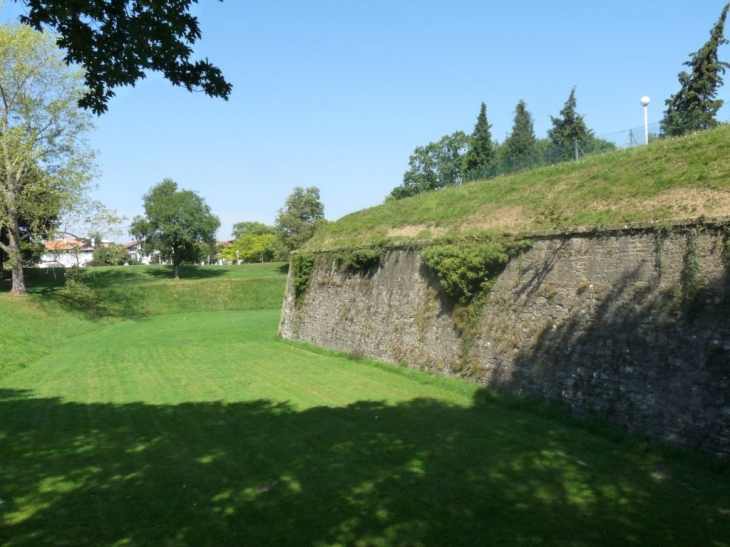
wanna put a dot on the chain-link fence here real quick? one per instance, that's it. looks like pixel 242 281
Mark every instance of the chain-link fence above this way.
pixel 549 154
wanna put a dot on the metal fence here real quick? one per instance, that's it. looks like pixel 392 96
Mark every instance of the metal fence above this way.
pixel 549 154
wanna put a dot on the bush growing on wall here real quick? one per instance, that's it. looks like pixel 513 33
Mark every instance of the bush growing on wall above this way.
pixel 302 268
pixel 467 270
pixel 359 260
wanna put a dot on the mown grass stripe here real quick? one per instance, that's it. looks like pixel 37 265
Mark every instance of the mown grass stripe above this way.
pixel 206 429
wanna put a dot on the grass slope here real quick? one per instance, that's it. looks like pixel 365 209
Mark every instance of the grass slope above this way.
pixel 685 177
pixel 52 317
pixel 205 429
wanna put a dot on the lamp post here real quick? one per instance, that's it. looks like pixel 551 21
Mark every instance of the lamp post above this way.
pixel 645 102
pixel 238 262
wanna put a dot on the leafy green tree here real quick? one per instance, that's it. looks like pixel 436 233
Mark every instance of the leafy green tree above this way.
pixel 694 107
pixel 568 129
pixel 175 222
pixel 434 166
pixel 481 153
pixel 45 164
pixel 205 251
pixel 521 143
pixel 300 217
pixel 109 255
pixel 252 248
pixel 241 229
pixel 119 41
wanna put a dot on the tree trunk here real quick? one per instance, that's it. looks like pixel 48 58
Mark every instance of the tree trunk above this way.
pixel 176 270
pixel 16 263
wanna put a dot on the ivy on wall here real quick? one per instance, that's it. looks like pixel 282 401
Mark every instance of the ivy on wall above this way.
pixel 359 261
pixel 302 269
pixel 350 262
pixel 467 270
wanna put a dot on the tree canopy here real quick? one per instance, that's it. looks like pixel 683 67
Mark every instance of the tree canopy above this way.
pixel 45 164
pixel 694 107
pixel 175 223
pixel 480 155
pixel 522 141
pixel 301 215
pixel 109 255
pixel 252 248
pixel 434 166
pixel 117 41
pixel 569 128
pixel 241 229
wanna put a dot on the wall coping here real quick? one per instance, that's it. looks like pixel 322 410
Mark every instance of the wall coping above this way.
pixel 629 227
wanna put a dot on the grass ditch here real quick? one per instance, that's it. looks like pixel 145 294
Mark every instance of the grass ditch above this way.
pixel 56 313
pixel 187 428
pixel 172 431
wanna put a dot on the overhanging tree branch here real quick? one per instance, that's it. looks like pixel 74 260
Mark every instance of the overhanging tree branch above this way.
pixel 117 41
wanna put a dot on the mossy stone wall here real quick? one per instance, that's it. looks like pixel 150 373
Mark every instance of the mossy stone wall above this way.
pixel 629 325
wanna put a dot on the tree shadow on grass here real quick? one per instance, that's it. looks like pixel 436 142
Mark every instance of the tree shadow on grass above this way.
pixel 187 272
pixel 97 305
pixel 36 279
pixel 263 473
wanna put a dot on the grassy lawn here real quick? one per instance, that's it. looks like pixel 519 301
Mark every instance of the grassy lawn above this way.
pixel 672 178
pixel 206 429
pixel 52 317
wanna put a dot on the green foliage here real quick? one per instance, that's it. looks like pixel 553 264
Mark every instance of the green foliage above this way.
pixel 694 107
pixel 74 282
pixel 241 229
pixel 252 247
pixel 434 166
pixel 481 148
pixel 175 223
pixel 110 255
pixel 118 44
pixel 360 261
pixel 569 128
pixel 302 269
pixel 522 141
pixel 299 219
pixel 45 166
pixel 468 269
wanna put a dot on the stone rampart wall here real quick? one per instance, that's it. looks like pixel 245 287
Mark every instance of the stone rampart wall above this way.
pixel 608 324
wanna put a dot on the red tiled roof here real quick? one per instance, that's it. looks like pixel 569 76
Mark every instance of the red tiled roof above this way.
pixel 65 244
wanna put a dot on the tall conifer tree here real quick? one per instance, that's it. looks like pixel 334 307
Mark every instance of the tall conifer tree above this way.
pixel 521 142
pixel 569 128
pixel 694 107
pixel 481 149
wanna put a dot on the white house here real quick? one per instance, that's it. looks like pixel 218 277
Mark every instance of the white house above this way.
pixel 66 252
pixel 134 248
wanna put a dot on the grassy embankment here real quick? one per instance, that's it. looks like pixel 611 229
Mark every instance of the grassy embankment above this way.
pixel 205 429
pixel 674 178
pixel 52 317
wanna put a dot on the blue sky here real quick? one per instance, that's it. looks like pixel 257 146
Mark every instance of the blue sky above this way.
pixel 337 94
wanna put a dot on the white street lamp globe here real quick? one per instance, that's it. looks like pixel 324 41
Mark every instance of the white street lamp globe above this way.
pixel 645 100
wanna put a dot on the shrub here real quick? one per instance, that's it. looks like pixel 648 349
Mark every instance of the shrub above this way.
pixel 302 268
pixel 467 270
